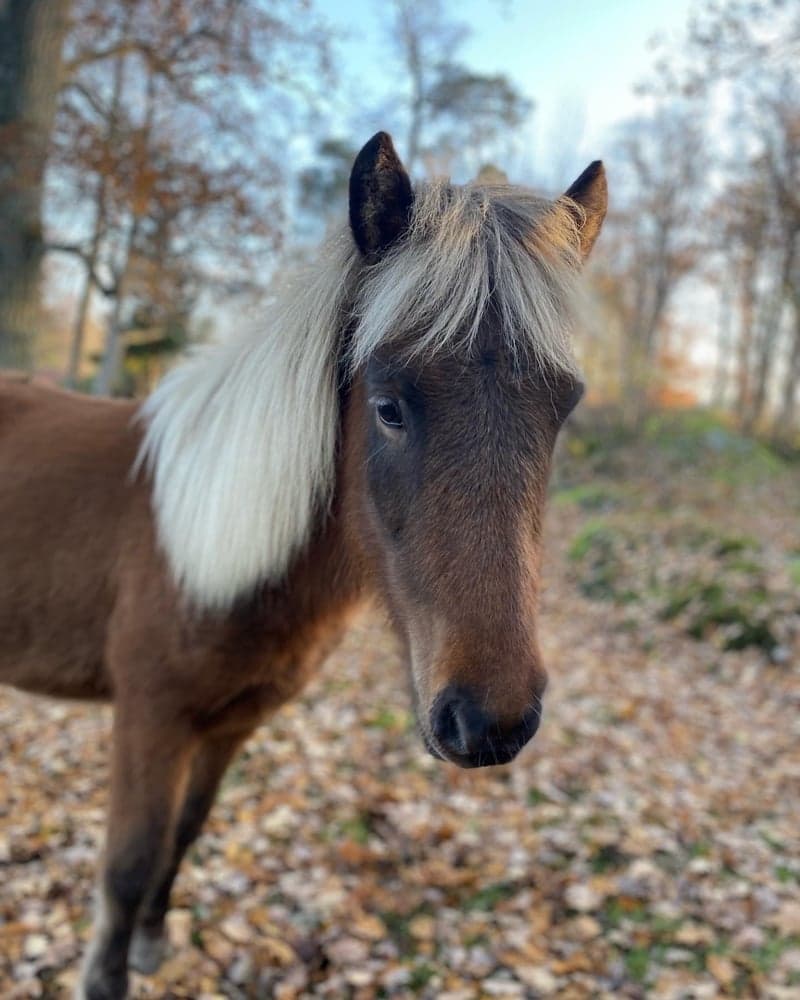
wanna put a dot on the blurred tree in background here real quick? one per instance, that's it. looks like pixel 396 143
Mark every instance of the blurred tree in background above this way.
pixel 31 40
pixel 162 123
pixel 187 144
pixel 166 147
pixel 448 110
pixel 445 116
pixel 734 86
pixel 652 243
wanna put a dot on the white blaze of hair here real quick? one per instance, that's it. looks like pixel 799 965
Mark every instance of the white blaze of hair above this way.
pixel 240 439
pixel 240 442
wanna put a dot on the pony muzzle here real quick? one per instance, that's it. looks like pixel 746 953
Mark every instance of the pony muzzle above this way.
pixel 463 732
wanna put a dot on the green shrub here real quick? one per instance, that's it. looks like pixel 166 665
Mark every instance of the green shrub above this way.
pixel 590 496
pixel 600 550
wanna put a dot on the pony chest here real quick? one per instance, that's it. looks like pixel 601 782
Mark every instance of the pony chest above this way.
pixel 272 671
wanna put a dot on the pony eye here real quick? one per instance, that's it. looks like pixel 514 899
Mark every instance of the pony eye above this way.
pixel 389 413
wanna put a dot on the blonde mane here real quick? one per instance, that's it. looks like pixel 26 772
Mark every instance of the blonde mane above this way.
pixel 240 438
pixel 465 246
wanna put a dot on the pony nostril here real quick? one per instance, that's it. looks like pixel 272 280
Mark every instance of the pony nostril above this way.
pixel 444 725
pixel 463 732
pixel 459 726
pixel 530 723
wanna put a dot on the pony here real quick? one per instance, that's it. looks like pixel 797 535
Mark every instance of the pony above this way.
pixel 387 435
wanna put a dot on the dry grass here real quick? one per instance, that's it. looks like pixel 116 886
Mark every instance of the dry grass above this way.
pixel 647 844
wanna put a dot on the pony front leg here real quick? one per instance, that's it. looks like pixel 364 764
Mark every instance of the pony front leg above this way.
pixel 208 768
pixel 149 775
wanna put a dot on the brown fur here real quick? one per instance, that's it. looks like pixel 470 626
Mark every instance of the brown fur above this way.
pixel 88 610
pixel 89 519
pixel 438 515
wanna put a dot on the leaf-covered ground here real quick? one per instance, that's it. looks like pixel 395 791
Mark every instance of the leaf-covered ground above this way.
pixel 646 844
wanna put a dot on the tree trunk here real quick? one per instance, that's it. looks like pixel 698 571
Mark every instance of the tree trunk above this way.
pixel 82 314
pixel 724 338
pixel 31 38
pixel 107 376
pixel 633 354
pixel 788 412
pixel 409 42
pixel 111 132
pixel 417 106
pixel 768 336
pixel 114 349
pixel 745 345
pixel 114 352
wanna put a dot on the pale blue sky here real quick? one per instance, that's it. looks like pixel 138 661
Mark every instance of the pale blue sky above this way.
pixel 578 59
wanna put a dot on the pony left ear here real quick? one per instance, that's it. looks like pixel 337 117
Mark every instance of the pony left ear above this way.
pixel 590 194
pixel 380 197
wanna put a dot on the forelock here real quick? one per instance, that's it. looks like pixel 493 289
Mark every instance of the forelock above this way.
pixel 470 253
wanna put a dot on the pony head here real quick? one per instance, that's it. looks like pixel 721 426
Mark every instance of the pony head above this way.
pixel 462 373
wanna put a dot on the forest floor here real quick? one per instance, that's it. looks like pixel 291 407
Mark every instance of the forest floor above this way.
pixel 645 844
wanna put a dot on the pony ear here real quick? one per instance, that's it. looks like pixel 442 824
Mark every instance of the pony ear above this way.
pixel 380 197
pixel 590 194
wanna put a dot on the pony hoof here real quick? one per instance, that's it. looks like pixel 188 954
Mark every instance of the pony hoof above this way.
pixel 147 950
pixel 102 988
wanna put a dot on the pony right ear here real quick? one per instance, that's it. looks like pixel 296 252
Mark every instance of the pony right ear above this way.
pixel 381 197
pixel 590 194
